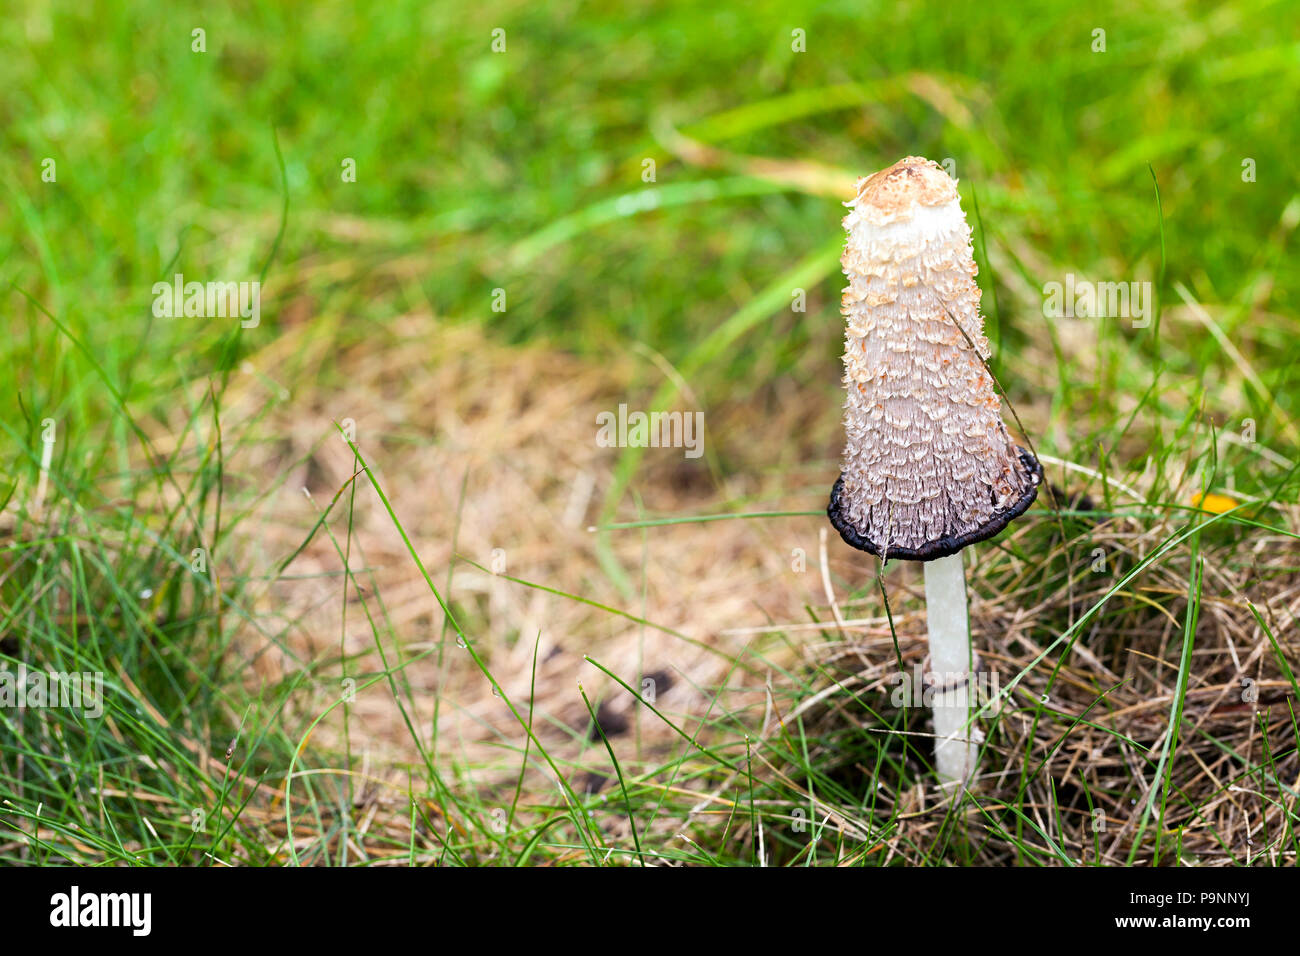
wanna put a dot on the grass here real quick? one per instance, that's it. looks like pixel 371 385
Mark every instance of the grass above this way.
pixel 369 669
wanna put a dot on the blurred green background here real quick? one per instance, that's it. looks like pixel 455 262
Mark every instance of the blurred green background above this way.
pixel 479 170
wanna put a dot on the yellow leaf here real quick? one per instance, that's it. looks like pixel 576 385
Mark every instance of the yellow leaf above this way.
pixel 1215 504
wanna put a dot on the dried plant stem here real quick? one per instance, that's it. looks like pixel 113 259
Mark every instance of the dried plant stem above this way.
pixel 47 455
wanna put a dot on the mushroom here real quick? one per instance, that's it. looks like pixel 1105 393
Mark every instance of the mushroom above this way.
pixel 928 466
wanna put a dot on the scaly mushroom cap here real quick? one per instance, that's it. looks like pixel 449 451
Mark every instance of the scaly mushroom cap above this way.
pixel 928 465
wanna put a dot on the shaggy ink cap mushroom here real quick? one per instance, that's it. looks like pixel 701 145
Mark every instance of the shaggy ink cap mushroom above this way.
pixel 928 465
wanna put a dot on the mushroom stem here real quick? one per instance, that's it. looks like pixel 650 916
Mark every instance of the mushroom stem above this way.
pixel 955 749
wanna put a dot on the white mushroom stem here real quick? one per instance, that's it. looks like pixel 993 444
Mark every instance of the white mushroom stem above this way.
pixel 955 745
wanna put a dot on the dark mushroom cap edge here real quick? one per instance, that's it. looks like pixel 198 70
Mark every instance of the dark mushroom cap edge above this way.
pixel 948 544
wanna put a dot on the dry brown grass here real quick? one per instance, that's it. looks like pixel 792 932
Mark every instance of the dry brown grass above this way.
pixel 444 413
pixel 492 447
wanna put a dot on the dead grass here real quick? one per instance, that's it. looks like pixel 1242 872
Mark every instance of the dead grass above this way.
pixel 488 454
pixel 445 413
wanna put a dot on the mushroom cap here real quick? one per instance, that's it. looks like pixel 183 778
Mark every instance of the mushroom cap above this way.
pixel 928 465
pixel 889 195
